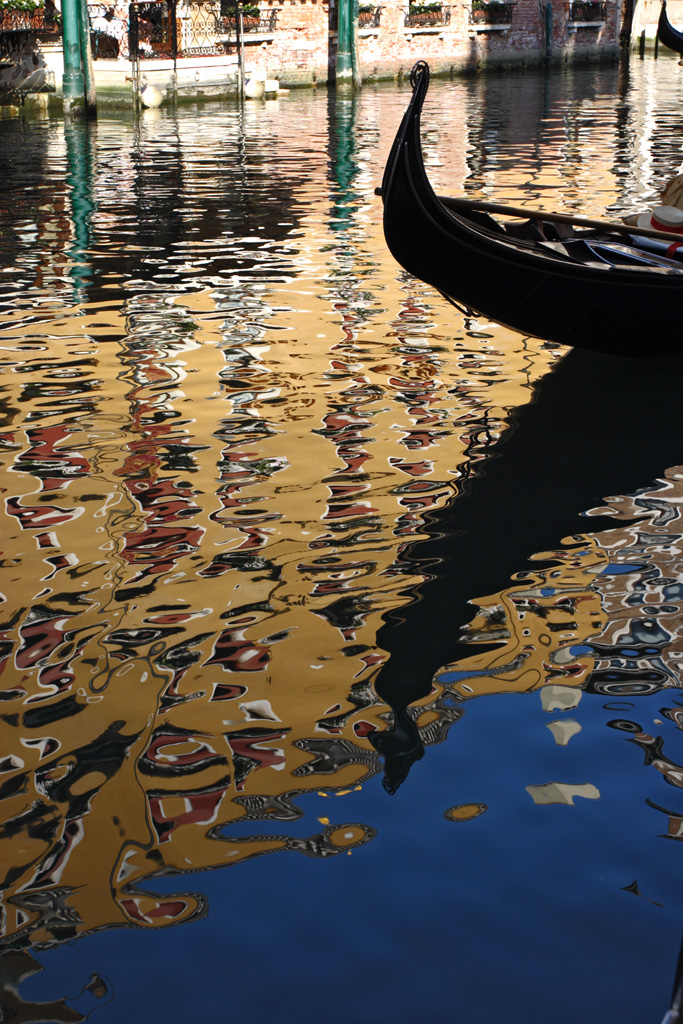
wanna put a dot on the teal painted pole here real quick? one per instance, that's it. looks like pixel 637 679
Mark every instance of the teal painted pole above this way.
pixel 86 56
pixel 73 85
pixel 355 66
pixel 79 140
pixel 347 69
pixel 344 68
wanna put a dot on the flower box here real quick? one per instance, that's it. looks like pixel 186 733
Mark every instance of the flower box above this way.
pixel 491 12
pixel 427 16
pixel 29 20
pixel 253 20
pixel 369 15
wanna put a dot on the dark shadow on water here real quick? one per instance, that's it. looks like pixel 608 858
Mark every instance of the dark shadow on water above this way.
pixel 598 426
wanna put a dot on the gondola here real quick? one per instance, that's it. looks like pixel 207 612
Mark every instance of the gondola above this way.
pixel 588 291
pixel 667 34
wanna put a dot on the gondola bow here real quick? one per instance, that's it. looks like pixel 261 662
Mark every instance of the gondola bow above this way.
pixel 587 291
pixel 667 34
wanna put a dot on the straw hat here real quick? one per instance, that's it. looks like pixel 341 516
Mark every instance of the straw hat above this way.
pixel 663 218
pixel 673 193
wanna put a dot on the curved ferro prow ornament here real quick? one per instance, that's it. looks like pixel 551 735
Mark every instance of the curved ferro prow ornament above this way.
pixel 667 34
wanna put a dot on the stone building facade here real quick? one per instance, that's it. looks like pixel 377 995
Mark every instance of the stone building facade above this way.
pixel 455 39
pixel 197 49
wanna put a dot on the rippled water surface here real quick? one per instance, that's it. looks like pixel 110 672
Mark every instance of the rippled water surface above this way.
pixel 340 654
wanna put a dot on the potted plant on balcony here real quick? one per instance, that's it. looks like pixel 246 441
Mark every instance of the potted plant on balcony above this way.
pixel 426 13
pixel 491 12
pixel 368 15
pixel 28 16
pixel 251 14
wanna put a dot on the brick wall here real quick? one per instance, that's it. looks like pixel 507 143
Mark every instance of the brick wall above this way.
pixel 302 51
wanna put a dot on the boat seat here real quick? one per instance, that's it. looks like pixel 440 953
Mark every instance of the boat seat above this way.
pixel 603 255
pixel 530 230
pixel 578 251
pixel 482 220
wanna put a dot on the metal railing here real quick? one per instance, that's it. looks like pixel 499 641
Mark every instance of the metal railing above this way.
pixel 427 16
pixel 191 28
pixel 152 30
pixel 108 36
pixel 200 29
pixel 490 12
pixel 262 23
pixel 160 29
pixel 41 20
pixel 369 17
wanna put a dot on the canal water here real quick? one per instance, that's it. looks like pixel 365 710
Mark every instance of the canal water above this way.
pixel 340 629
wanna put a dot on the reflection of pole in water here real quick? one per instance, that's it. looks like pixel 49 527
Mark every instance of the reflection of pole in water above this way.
pixel 343 168
pixel 342 112
pixel 79 179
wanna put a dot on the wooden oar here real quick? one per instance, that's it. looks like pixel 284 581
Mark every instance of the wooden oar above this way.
pixel 455 203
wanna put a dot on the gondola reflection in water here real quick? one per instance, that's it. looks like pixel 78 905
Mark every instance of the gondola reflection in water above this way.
pixel 588 290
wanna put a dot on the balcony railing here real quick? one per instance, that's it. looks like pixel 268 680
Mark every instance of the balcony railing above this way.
pixel 200 28
pixel 427 16
pixel 490 12
pixel 40 20
pixel 588 10
pixel 152 30
pixel 263 23
pixel 369 17
pixel 167 28
pixel 160 29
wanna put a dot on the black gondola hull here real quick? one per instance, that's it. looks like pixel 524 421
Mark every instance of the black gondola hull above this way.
pixel 522 286
pixel 667 34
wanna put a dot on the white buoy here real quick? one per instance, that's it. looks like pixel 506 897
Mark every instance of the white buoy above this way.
pixel 254 88
pixel 150 96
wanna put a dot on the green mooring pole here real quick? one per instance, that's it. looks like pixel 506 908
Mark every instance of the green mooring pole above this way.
pixel 347 73
pixel 73 85
pixel 355 65
pixel 86 57
pixel 344 71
